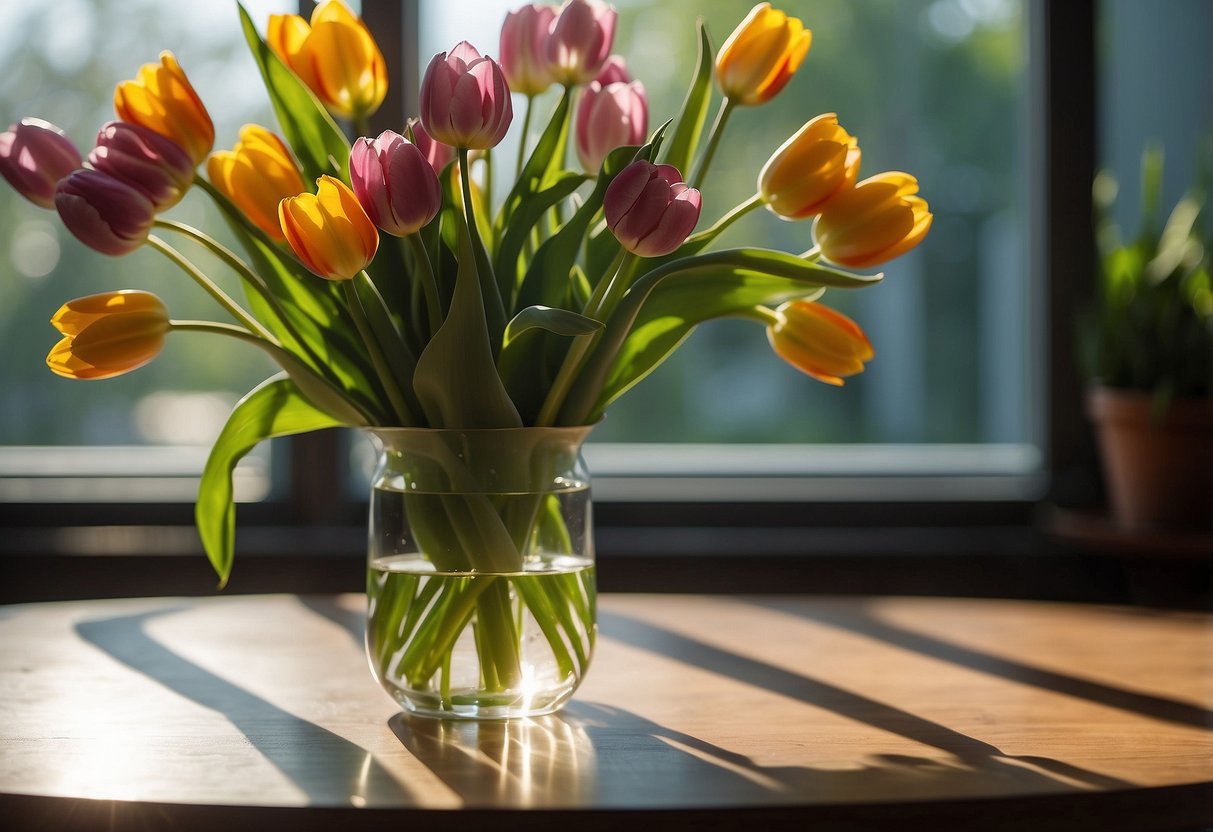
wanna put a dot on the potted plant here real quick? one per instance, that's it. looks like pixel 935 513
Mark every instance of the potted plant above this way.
pixel 1150 357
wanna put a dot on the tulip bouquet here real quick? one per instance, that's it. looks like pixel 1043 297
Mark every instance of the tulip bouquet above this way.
pixel 537 309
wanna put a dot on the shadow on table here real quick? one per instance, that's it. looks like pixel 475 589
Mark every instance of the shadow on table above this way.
pixel 860 620
pixel 615 758
pixel 304 752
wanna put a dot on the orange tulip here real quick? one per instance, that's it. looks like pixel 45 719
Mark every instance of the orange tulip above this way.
pixel 108 334
pixel 256 175
pixel 761 55
pixel 819 162
pixel 877 220
pixel 816 340
pixel 335 56
pixel 329 231
pixel 162 99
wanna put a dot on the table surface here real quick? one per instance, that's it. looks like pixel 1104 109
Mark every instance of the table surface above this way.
pixel 783 708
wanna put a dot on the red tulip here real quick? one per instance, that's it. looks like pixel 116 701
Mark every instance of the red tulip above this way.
pixel 103 213
pixel 580 41
pixel 650 210
pixel 34 156
pixel 439 155
pixel 395 183
pixel 465 101
pixel 614 70
pixel 153 165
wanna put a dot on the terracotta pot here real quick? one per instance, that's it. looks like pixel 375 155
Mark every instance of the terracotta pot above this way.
pixel 1159 472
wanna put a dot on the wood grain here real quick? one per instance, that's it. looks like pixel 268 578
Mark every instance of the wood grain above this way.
pixel 696 709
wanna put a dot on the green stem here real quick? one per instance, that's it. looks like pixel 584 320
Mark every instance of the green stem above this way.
pixel 526 131
pixel 224 300
pixel 494 307
pixel 429 284
pixel 722 116
pixel 739 211
pixel 375 351
pixel 362 126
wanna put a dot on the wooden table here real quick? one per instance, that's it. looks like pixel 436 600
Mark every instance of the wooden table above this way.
pixel 699 712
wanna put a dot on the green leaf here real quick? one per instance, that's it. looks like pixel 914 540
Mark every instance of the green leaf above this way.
pixel 558 321
pixel 315 138
pixel 456 379
pixel 544 162
pixel 547 278
pixel 400 360
pixel 275 408
pixel 691 117
pixel 717 272
pixel 529 211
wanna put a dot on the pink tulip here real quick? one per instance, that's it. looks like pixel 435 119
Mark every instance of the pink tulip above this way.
pixel 580 41
pixel 523 48
pixel 610 116
pixel 439 155
pixel 395 183
pixel 615 70
pixel 465 101
pixel 650 210
pixel 142 158
pixel 103 213
pixel 34 156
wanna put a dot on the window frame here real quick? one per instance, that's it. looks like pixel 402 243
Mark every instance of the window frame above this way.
pixel 883 518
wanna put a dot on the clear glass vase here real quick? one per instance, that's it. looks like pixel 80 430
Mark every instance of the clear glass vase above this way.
pixel 480 570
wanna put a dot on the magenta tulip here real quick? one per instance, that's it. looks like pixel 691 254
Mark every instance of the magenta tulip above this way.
pixel 147 161
pixel 650 210
pixel 34 156
pixel 439 155
pixel 615 70
pixel 395 183
pixel 610 116
pixel 523 48
pixel 103 213
pixel 580 41
pixel 465 101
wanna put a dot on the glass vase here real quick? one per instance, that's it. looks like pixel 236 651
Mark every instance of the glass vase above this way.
pixel 480 570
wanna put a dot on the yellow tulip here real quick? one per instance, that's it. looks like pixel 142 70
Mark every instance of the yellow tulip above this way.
pixel 816 340
pixel 108 334
pixel 761 55
pixel 329 231
pixel 161 98
pixel 819 162
pixel 256 175
pixel 877 220
pixel 335 57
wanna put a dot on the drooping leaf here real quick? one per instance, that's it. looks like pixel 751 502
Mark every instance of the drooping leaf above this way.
pixel 557 321
pixel 315 138
pixel 275 408
pixel 456 380
pixel 688 124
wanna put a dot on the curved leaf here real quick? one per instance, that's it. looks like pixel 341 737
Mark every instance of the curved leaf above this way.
pixel 315 138
pixel 275 408
pixel 690 119
pixel 558 321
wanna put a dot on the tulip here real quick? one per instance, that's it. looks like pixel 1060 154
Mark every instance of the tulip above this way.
pixel 608 117
pixel 256 175
pixel 877 220
pixel 649 209
pixel 103 213
pixel 761 55
pixel 145 160
pixel 439 155
pixel 523 48
pixel 395 183
pixel 329 231
pixel 161 99
pixel 335 57
pixel 580 40
pixel 108 334
pixel 465 101
pixel 819 162
pixel 816 340
pixel 34 156
pixel 614 70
